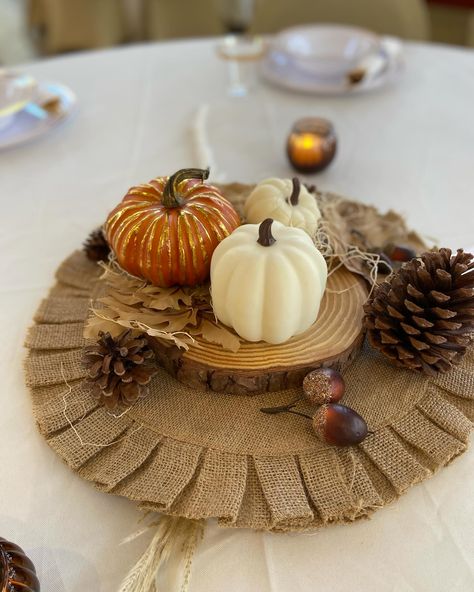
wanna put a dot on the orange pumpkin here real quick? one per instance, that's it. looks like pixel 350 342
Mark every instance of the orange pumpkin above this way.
pixel 17 572
pixel 166 231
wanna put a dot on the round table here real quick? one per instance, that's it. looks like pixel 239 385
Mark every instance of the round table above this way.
pixel 407 147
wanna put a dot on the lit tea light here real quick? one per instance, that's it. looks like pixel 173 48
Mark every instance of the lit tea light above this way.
pixel 311 144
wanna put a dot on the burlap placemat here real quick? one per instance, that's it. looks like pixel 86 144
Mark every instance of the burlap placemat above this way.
pixel 206 455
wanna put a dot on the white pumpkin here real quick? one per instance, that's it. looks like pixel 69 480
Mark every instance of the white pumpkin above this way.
pixel 285 200
pixel 267 281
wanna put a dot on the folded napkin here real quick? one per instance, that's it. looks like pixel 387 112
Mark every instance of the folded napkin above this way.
pixel 375 64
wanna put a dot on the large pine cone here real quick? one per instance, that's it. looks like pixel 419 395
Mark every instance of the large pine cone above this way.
pixel 119 369
pixel 422 317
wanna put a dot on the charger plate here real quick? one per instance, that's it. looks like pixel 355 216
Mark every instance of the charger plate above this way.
pixel 334 340
pixel 29 124
pixel 201 454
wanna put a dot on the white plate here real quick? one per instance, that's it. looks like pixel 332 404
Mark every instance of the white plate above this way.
pixel 279 69
pixel 15 91
pixel 26 126
pixel 326 50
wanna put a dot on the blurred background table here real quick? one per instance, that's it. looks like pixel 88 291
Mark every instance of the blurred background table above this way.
pixel 407 147
pixel 47 27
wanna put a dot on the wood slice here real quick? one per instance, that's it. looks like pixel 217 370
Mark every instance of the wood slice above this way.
pixel 332 341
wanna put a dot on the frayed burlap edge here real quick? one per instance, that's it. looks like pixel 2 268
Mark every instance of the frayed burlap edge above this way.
pixel 300 490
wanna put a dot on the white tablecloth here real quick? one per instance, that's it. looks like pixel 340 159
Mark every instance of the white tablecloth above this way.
pixel 410 147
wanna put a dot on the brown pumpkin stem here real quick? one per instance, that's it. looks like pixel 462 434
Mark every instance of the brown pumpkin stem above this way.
pixel 265 236
pixel 295 194
pixel 171 196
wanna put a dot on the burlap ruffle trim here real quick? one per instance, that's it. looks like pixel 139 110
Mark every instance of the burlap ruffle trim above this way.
pixel 286 492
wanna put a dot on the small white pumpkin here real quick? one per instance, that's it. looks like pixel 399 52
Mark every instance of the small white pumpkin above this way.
pixel 284 200
pixel 267 281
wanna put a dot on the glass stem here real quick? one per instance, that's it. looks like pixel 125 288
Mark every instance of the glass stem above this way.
pixel 237 87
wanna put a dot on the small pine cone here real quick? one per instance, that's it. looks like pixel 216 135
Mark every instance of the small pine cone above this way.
pixel 96 247
pixel 119 369
pixel 422 317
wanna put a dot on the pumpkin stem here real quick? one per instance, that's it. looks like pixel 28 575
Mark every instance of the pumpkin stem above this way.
pixel 171 196
pixel 295 194
pixel 265 236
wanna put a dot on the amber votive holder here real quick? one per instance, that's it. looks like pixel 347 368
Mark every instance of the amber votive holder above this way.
pixel 311 145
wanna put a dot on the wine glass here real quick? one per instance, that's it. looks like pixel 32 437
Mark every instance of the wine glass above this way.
pixel 236 15
pixel 239 49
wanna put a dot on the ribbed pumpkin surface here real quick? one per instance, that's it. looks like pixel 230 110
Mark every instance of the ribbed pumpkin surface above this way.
pixel 170 245
pixel 17 572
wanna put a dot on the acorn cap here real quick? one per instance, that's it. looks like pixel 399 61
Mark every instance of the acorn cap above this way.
pixel 323 385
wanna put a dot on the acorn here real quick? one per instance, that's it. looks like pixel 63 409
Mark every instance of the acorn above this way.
pixel 339 425
pixel 323 385
pixel 399 253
